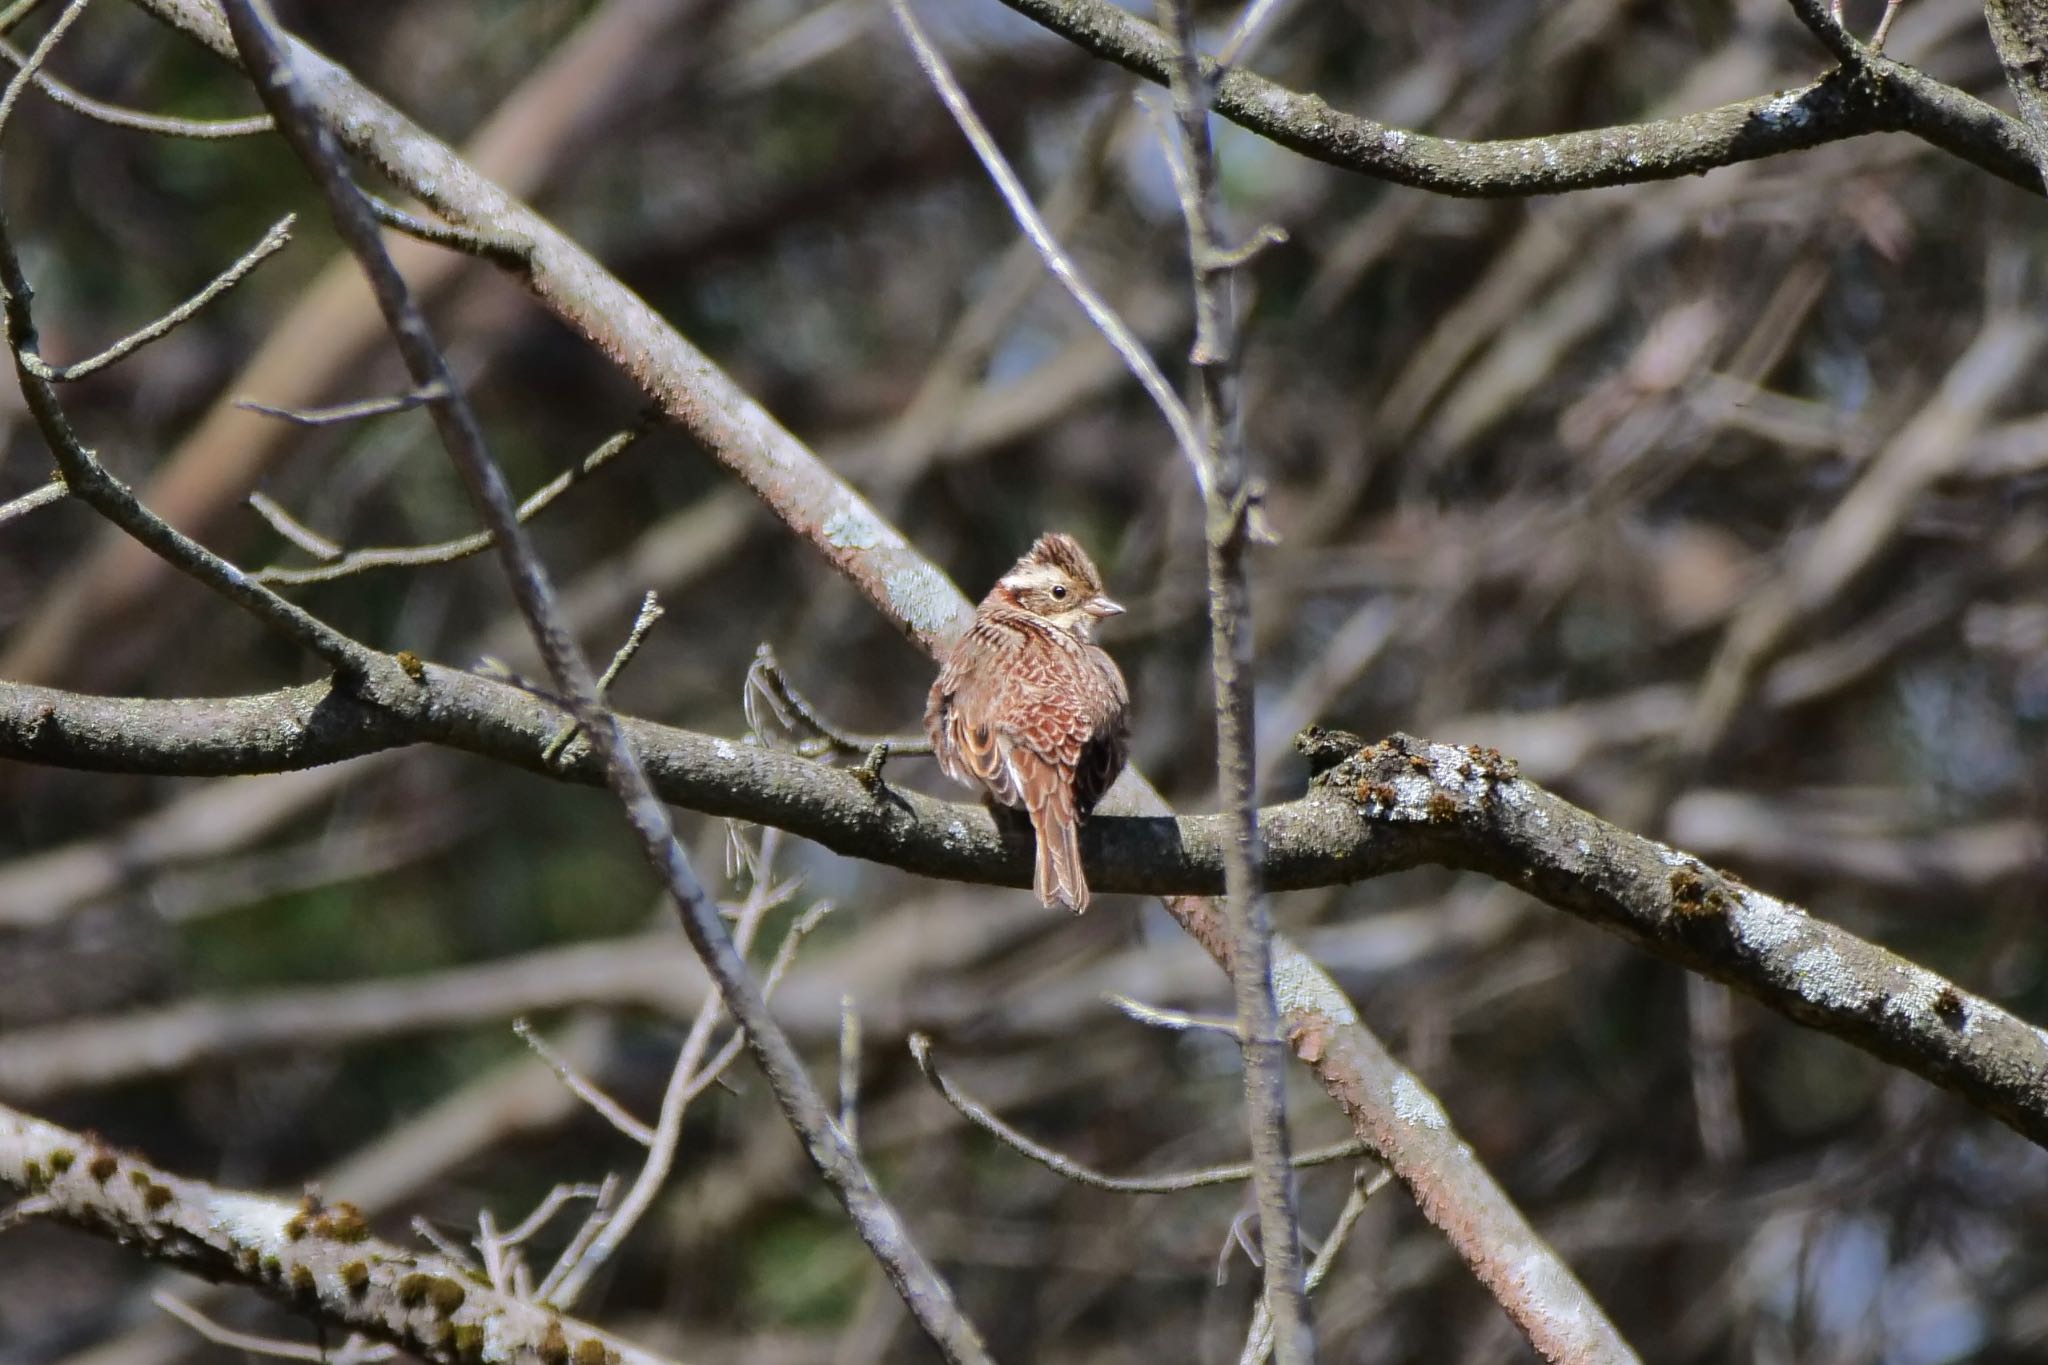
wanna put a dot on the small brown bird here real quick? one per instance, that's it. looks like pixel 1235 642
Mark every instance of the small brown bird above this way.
pixel 1031 711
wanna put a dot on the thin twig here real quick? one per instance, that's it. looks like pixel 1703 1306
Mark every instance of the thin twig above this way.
pixel 767 685
pixel 1175 1020
pixel 261 1345
pixel 1259 1341
pixel 849 1070
pixel 273 241
pixel 53 491
pixel 1173 1183
pixel 119 116
pixel 607 1107
pixel 650 612
pixel 713 1071
pixel 1249 30
pixel 448 551
pixel 25 74
pixel 557 1198
pixel 510 252
pixel 504 1263
pixel 12 16
pixel 357 411
pixel 1231 498
pixel 293 530
pixel 442 1242
pixel 89 481
pixel 601 1211
pixel 687 1079
pixel 1057 260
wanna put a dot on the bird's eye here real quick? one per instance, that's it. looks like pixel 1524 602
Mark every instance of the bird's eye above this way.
pixel 1058 591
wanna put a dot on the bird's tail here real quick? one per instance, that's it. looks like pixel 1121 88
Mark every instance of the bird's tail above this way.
pixel 1058 879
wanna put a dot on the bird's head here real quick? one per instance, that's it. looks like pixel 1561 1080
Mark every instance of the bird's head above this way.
pixel 1057 582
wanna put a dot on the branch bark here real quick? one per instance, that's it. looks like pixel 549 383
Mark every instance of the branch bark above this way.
pixel 1370 811
pixel 1229 496
pixel 320 1263
pixel 1877 96
pixel 2019 30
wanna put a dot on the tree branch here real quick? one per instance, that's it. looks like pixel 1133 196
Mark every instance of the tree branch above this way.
pixel 1370 811
pixel 321 1263
pixel 2019 30
pixel 1879 96
pixel 1229 496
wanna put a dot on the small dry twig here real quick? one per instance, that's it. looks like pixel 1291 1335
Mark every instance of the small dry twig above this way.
pixel 650 612
pixel 359 410
pixel 1173 1183
pixel 273 241
pixel 352 562
pixel 53 491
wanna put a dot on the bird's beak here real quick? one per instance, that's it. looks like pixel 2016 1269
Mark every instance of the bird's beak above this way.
pixel 1102 606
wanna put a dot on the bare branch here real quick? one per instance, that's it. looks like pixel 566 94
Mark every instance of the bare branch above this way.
pixel 1062 1165
pixel 91 483
pixel 1371 811
pixel 1878 96
pixel 53 491
pixel 1230 494
pixel 605 1106
pixel 259 1345
pixel 1175 1020
pixel 321 1264
pixel 273 241
pixel 360 410
pixel 512 253
pixel 346 564
pixel 282 522
pixel 1056 259
pixel 118 116
pixel 1259 1342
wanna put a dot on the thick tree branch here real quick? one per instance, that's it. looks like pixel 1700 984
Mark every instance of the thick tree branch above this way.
pixel 2019 29
pixel 1371 811
pixel 1877 96
pixel 319 1262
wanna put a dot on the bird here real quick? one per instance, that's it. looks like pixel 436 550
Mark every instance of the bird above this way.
pixel 1029 709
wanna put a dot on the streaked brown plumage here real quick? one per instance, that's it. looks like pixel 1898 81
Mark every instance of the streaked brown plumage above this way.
pixel 1031 711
